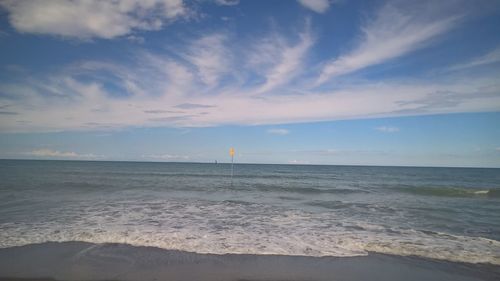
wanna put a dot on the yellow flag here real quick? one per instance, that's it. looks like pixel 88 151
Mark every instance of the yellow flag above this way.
pixel 231 152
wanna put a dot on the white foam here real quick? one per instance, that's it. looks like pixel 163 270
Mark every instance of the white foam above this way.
pixel 482 192
pixel 228 227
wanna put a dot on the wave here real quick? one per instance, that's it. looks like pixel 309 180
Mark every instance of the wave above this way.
pixel 218 174
pixel 453 192
pixel 345 243
pixel 302 189
pixel 336 205
pixel 239 227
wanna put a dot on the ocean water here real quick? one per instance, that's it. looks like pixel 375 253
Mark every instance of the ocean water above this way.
pixel 443 213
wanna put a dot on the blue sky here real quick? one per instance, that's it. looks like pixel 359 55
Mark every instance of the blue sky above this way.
pixel 309 81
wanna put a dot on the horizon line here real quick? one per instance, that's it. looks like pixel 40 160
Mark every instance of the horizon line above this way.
pixel 246 163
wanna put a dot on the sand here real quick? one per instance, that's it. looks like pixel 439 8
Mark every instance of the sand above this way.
pixel 87 261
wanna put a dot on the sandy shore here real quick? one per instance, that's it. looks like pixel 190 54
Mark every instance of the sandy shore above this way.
pixel 87 261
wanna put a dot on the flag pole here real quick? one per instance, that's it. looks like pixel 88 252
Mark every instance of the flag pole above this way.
pixel 231 152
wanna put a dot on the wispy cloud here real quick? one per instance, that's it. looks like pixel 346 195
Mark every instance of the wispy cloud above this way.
pixel 394 32
pixel 227 2
pixel 91 18
pixel 489 58
pixel 49 153
pixel 387 129
pixel 210 57
pixel 64 102
pixel 136 39
pixel 160 111
pixel 318 6
pixel 193 105
pixel 281 59
pixel 213 79
pixel 278 131
pixel 167 157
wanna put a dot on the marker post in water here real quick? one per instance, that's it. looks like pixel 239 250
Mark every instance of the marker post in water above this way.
pixel 231 152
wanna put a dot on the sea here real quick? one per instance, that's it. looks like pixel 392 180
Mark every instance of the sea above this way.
pixel 448 214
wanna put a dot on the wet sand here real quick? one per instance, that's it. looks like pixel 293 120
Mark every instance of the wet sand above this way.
pixel 87 261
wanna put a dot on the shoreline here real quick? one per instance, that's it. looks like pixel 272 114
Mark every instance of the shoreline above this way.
pixel 88 261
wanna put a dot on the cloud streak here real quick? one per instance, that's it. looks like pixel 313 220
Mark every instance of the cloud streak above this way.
pixel 167 157
pixel 209 56
pixel 49 153
pixel 394 32
pixel 387 129
pixel 227 2
pixel 287 60
pixel 213 79
pixel 77 110
pixel 491 57
pixel 278 131
pixel 318 6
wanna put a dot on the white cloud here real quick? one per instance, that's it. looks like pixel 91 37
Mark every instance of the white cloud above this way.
pixel 136 39
pixel 62 102
pixel 489 58
pixel 49 153
pixel 281 61
pixel 319 6
pixel 167 157
pixel 278 131
pixel 227 2
pixel 387 129
pixel 394 32
pixel 86 19
pixel 215 80
pixel 210 57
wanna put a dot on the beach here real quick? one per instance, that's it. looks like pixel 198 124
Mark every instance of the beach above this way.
pixel 233 140
pixel 84 220
pixel 86 261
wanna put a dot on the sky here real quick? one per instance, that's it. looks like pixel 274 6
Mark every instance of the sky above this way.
pixel 343 82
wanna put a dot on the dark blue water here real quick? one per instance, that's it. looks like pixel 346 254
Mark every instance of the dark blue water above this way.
pixel 445 213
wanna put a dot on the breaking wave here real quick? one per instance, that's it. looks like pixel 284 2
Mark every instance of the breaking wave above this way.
pixel 452 192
